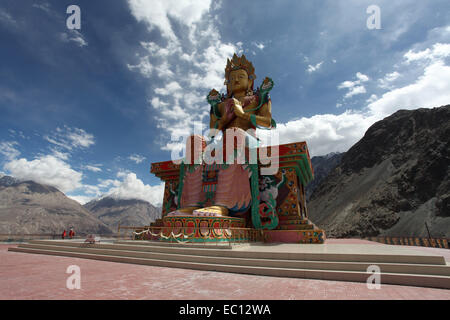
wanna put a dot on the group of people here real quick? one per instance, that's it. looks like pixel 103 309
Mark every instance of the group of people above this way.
pixel 71 233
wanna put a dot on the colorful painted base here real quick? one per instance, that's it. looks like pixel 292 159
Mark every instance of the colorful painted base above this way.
pixel 294 236
pixel 202 229
pixel 295 229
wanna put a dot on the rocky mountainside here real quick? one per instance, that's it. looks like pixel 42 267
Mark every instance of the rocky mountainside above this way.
pixel 322 166
pixel 29 208
pixel 392 182
pixel 128 212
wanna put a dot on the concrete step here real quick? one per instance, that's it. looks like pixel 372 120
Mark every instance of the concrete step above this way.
pixel 248 252
pixel 218 245
pixel 276 263
pixel 435 281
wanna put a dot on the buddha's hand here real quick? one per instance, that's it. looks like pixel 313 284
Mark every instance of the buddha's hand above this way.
pixel 238 110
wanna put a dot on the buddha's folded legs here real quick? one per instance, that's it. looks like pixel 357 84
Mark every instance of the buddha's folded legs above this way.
pixel 233 192
pixel 192 194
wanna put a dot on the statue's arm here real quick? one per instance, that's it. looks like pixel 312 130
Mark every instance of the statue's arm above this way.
pixel 263 117
pixel 220 122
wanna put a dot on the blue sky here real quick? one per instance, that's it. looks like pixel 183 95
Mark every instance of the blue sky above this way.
pixel 88 110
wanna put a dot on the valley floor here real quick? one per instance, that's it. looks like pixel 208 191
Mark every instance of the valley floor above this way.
pixel 33 276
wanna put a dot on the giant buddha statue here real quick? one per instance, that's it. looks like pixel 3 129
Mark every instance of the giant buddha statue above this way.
pixel 215 192
pixel 222 189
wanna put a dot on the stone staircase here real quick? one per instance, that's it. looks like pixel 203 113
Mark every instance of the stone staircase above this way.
pixel 402 269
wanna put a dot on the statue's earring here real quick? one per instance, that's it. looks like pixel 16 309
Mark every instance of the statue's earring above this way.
pixel 249 89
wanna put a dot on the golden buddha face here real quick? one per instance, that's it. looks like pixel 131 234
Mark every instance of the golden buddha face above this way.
pixel 239 81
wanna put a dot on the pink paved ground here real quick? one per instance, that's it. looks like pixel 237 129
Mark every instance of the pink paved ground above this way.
pixel 33 276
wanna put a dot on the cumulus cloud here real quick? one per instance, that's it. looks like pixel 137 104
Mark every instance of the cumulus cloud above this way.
pixel 324 133
pixel 436 53
pixel 432 89
pixel 354 87
pixel 355 91
pixel 131 187
pixel 386 82
pixel 46 170
pixel 185 71
pixel 157 13
pixel 136 158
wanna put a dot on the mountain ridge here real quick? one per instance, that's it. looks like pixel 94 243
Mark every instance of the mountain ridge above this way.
pixel 392 181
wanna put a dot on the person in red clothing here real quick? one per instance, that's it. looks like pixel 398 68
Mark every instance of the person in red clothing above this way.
pixel 64 234
pixel 71 233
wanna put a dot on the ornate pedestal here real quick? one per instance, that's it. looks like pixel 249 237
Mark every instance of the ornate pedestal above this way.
pixel 286 187
pixel 202 229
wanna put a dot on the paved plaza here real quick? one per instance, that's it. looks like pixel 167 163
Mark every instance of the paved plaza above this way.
pixel 34 276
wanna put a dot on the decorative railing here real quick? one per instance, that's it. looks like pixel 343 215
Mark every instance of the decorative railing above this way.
pixel 413 241
pixel 231 235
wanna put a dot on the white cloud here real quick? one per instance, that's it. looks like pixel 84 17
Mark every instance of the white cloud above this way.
pixel 362 77
pixel 8 149
pixel 136 158
pixel 314 68
pixel 170 89
pixel 355 91
pixel 346 84
pixel 70 138
pixel 324 133
pixel 260 45
pixel 187 71
pixel 74 36
pixel 354 87
pixel 46 170
pixel 133 188
pixel 92 168
pixel 437 52
pixel 432 89
pixel 59 154
pixel 372 98
pixel 157 13
pixel 385 83
pixel 144 67
pixel 81 199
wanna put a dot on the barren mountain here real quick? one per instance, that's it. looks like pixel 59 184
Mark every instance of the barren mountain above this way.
pixel 30 208
pixel 322 166
pixel 131 212
pixel 392 182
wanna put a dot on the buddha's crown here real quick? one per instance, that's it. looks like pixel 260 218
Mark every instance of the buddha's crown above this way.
pixel 239 63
